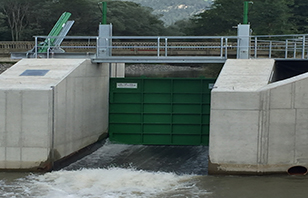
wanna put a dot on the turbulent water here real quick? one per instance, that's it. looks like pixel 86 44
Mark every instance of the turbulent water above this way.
pixel 111 182
pixel 116 170
pixel 128 171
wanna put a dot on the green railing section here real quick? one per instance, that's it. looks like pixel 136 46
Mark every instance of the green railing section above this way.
pixel 160 111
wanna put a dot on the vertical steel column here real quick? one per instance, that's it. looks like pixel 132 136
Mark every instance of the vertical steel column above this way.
pixel 221 47
pixel 108 47
pixel 307 54
pixel 97 47
pixel 35 47
pixel 104 14
pixel 286 49
pixel 270 49
pixel 158 46
pixel 104 45
pixel 226 48
pixel 294 50
pixel 166 46
pixel 48 49
pixel 256 47
pixel 245 13
pixel 304 44
pixel 243 41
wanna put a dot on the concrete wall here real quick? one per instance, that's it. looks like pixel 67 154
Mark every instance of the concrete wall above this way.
pixel 285 118
pixel 257 127
pixel 52 115
pixel 25 128
pixel 81 108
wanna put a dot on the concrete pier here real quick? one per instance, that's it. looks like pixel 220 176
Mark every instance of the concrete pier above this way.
pixel 49 109
pixel 258 124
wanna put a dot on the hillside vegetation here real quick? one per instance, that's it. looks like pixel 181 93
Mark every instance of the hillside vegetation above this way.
pixel 175 10
pixel 20 19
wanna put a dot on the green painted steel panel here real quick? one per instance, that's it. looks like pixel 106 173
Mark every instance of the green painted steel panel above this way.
pixel 160 111
pixel 55 31
pixel 156 128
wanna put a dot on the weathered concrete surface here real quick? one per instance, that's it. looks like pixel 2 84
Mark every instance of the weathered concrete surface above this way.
pixel 257 127
pixel 46 118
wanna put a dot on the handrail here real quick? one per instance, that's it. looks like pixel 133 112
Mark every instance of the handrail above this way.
pixel 261 46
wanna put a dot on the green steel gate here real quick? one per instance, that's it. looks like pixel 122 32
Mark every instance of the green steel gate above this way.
pixel 160 111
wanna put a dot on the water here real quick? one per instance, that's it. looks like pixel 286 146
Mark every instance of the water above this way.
pixel 127 171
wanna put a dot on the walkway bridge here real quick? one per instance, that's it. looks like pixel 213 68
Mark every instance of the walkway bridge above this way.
pixel 169 49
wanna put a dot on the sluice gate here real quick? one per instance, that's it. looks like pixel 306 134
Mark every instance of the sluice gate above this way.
pixel 160 111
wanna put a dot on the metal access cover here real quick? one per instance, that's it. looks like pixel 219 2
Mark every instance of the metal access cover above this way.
pixel 34 72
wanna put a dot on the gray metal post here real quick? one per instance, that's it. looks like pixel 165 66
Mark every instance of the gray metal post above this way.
pixel 243 42
pixel 303 47
pixel 270 49
pixel 48 48
pixel 226 47
pixel 221 47
pixel 158 46
pixel 104 47
pixel 286 49
pixel 294 50
pixel 166 46
pixel 256 47
pixel 36 46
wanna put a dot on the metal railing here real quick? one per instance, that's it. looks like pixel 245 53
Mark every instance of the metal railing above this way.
pixel 173 47
pixel 280 46
pixel 163 46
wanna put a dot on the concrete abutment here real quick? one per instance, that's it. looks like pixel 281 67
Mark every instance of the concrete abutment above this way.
pixel 51 109
pixel 258 123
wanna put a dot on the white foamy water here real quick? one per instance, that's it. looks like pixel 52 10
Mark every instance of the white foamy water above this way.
pixel 116 171
pixel 105 183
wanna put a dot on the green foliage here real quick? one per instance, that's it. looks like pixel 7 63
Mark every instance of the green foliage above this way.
pixel 265 16
pixel 20 19
pixel 16 13
pixel 128 18
pixel 180 28
pixel 84 13
pixel 271 17
pixel 131 19
pixel 299 16
pixel 219 19
pixel 4 29
pixel 175 10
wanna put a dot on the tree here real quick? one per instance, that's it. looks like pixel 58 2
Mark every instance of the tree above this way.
pixel 179 28
pixel 271 17
pixel 17 14
pixel 219 19
pixel 265 17
pixel 131 19
pixel 84 13
pixel 4 30
pixel 174 10
pixel 299 16
pixel 128 18
pixel 37 17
